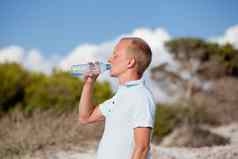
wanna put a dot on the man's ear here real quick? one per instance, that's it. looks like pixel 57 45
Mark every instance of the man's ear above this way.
pixel 131 62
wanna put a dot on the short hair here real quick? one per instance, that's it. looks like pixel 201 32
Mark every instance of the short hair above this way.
pixel 142 52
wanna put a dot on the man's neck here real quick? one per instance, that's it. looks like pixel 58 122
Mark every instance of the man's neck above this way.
pixel 126 78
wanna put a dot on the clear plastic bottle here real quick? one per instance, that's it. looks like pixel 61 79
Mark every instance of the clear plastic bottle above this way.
pixel 82 69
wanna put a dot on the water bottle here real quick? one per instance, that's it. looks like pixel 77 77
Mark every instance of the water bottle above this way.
pixel 82 69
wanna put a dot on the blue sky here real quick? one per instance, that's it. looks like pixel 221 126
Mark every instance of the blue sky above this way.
pixel 59 26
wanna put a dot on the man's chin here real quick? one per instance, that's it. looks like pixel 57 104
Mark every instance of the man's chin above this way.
pixel 112 75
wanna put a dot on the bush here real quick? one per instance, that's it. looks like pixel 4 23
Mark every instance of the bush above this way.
pixel 174 115
pixel 13 81
pixel 59 91
pixel 31 90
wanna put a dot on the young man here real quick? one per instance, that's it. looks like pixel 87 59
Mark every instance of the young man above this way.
pixel 129 114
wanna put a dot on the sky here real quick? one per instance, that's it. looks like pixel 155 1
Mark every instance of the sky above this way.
pixel 44 34
pixel 58 26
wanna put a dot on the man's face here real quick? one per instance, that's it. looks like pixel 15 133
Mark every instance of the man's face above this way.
pixel 119 59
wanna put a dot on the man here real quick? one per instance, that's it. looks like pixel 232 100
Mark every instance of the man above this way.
pixel 129 114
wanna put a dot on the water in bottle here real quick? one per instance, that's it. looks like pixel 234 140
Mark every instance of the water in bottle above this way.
pixel 82 69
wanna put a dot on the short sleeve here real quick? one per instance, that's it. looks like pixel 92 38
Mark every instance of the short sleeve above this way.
pixel 143 114
pixel 106 107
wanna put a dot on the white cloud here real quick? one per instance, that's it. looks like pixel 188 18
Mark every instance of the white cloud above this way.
pixel 11 54
pixel 32 59
pixel 230 36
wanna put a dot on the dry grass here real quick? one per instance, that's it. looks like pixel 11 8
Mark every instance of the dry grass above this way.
pixel 21 135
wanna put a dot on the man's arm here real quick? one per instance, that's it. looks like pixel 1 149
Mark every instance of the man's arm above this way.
pixel 142 142
pixel 88 113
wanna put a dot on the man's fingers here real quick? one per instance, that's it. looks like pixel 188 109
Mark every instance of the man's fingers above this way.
pixel 92 75
pixel 93 72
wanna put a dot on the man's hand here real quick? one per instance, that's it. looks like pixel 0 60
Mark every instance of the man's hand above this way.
pixel 91 76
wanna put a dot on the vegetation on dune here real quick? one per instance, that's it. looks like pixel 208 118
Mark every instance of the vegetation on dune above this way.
pixel 170 116
pixel 30 90
pixel 223 58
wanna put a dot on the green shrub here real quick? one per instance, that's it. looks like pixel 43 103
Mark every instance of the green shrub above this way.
pixel 168 117
pixel 59 91
pixel 13 81
pixel 165 120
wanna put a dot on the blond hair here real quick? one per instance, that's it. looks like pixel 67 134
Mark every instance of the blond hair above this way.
pixel 141 51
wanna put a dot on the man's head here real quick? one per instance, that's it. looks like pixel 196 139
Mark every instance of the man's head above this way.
pixel 131 55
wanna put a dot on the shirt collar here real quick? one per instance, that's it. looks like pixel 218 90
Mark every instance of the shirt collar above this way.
pixel 132 83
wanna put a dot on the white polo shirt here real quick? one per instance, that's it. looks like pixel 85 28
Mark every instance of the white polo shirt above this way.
pixel 132 106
